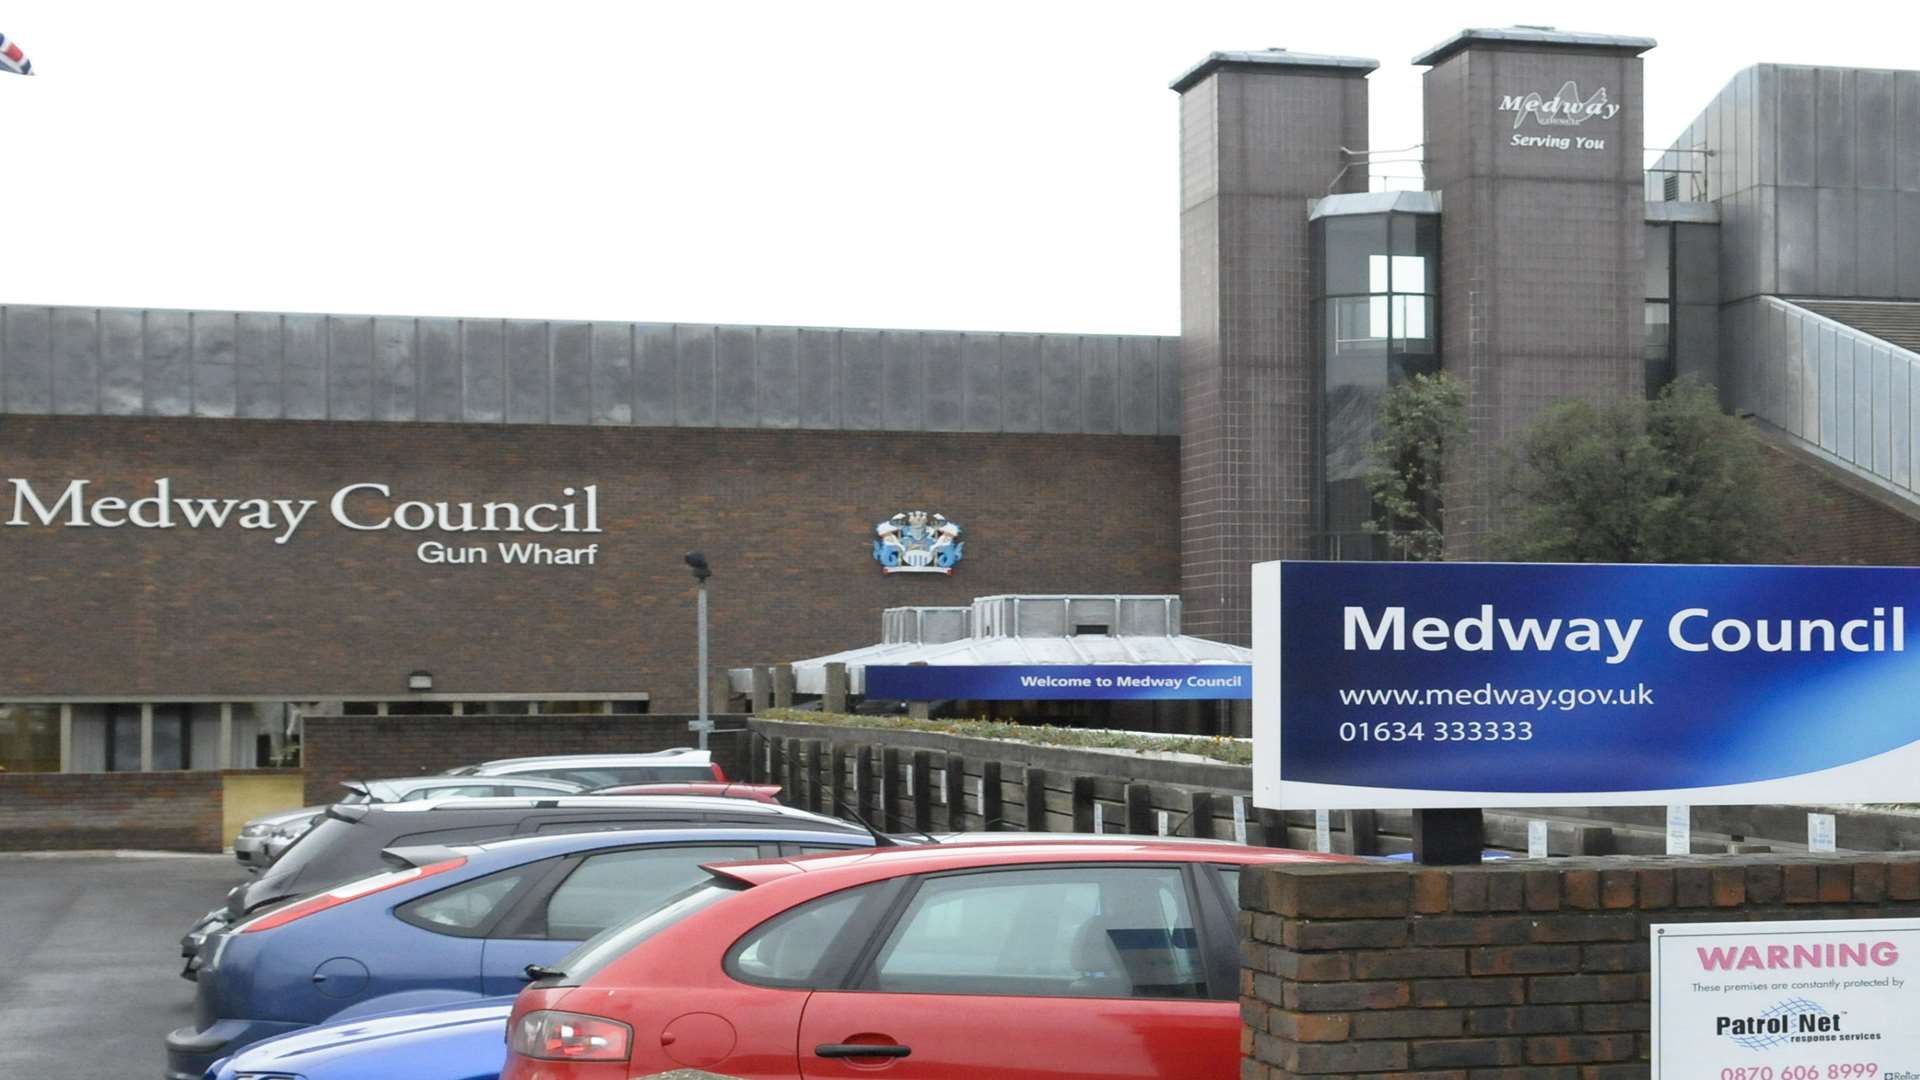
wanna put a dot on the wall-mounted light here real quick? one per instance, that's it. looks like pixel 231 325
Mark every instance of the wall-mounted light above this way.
pixel 420 680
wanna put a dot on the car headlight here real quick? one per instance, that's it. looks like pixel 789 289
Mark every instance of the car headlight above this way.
pixel 256 830
pixel 288 832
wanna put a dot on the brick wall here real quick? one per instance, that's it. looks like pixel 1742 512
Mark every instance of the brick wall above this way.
pixel 166 811
pixel 336 748
pixel 1832 519
pixel 1520 970
pixel 786 517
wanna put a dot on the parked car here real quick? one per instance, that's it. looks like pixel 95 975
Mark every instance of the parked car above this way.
pixel 605 770
pixel 446 924
pixel 347 841
pixel 766 793
pixel 463 1041
pixel 1070 959
pixel 261 840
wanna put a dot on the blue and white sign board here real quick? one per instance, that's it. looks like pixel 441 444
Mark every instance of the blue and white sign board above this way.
pixel 1060 682
pixel 1809 998
pixel 1417 685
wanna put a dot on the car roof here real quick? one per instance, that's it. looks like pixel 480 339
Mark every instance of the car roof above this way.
pixel 594 802
pixel 878 863
pixel 414 783
pixel 551 843
pixel 677 756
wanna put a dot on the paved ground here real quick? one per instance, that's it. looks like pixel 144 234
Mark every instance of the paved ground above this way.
pixel 89 964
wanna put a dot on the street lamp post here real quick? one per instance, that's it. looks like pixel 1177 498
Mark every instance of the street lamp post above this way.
pixel 701 572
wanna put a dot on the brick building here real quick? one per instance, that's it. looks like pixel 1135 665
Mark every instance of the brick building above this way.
pixel 208 518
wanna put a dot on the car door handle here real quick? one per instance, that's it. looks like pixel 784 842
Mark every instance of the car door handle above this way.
pixel 846 1050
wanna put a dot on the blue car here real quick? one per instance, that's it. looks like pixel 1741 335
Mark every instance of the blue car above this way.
pixel 467 1041
pixel 447 925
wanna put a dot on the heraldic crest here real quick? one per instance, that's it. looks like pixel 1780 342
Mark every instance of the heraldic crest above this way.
pixel 916 542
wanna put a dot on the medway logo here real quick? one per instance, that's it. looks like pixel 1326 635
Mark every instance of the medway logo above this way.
pixel 1565 108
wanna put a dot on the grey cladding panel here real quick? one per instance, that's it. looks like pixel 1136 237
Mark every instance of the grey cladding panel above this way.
pixel 818 359
pixel 570 385
pixel 903 375
pixel 1139 386
pixel 29 351
pixel 1906 151
pixel 215 392
pixel 1059 384
pixel 350 367
pixel 1874 129
pixel 1795 133
pixel 1835 210
pixel 169 363
pixel 122 378
pixel 860 378
pixel 777 377
pixel 1836 139
pixel 395 374
pixel 1169 354
pixel 1020 382
pixel 527 373
pixel 483 371
pixel 611 346
pixel 734 377
pixel 693 367
pixel 442 385
pixel 946 396
pixel 1874 247
pixel 1099 385
pixel 1907 234
pixel 1797 236
pixel 656 374
pixel 76 343
pixel 980 362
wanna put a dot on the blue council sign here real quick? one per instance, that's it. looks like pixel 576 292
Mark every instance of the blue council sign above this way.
pixel 1439 685
pixel 1068 682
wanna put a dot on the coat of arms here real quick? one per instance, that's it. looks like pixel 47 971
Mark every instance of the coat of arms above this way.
pixel 916 542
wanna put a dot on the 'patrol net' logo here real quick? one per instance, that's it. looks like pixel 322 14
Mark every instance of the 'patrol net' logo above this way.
pixel 1776 1026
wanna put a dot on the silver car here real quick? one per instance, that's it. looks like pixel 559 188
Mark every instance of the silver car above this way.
pixel 606 770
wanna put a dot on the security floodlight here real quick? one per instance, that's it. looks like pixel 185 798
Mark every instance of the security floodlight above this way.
pixel 701 571
pixel 420 680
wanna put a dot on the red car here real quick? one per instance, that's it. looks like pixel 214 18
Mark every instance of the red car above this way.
pixel 767 793
pixel 1062 959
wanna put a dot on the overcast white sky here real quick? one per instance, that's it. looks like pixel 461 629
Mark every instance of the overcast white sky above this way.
pixel 989 165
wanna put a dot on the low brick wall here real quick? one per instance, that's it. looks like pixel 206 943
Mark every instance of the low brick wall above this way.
pixel 336 748
pixel 1533 970
pixel 164 811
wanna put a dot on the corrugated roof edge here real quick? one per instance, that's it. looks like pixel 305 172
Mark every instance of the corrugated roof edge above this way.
pixel 1345 65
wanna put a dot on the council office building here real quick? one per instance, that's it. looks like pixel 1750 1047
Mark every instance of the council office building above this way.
pixel 208 519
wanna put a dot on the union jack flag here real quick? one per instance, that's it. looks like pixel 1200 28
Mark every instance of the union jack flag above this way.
pixel 12 60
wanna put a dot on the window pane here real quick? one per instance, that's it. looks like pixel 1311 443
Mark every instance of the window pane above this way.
pixel 1230 881
pixel 30 738
pixel 465 907
pixel 1659 241
pixel 606 889
pixel 1080 932
pixel 1352 243
pixel 786 951
pixel 1410 274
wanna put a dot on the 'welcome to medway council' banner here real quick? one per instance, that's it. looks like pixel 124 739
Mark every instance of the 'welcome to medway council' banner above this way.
pixel 1483 684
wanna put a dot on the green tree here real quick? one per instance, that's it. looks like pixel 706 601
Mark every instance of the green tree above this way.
pixel 1673 480
pixel 1420 419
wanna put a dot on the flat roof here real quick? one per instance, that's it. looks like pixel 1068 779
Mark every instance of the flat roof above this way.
pixel 1534 35
pixel 1272 58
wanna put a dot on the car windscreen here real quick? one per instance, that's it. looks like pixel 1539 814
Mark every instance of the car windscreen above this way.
pixel 598 776
pixel 595 953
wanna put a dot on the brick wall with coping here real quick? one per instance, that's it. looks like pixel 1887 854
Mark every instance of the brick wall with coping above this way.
pixel 337 748
pixel 1505 971
pixel 165 811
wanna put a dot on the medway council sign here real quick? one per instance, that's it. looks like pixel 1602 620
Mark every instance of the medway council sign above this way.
pixel 1436 685
pixel 1059 682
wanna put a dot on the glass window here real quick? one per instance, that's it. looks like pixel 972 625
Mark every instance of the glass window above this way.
pixel 1073 932
pixel 1352 245
pixel 609 775
pixel 595 953
pixel 787 950
pixel 1658 262
pixel 1230 881
pixel 29 738
pixel 607 889
pixel 464 907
